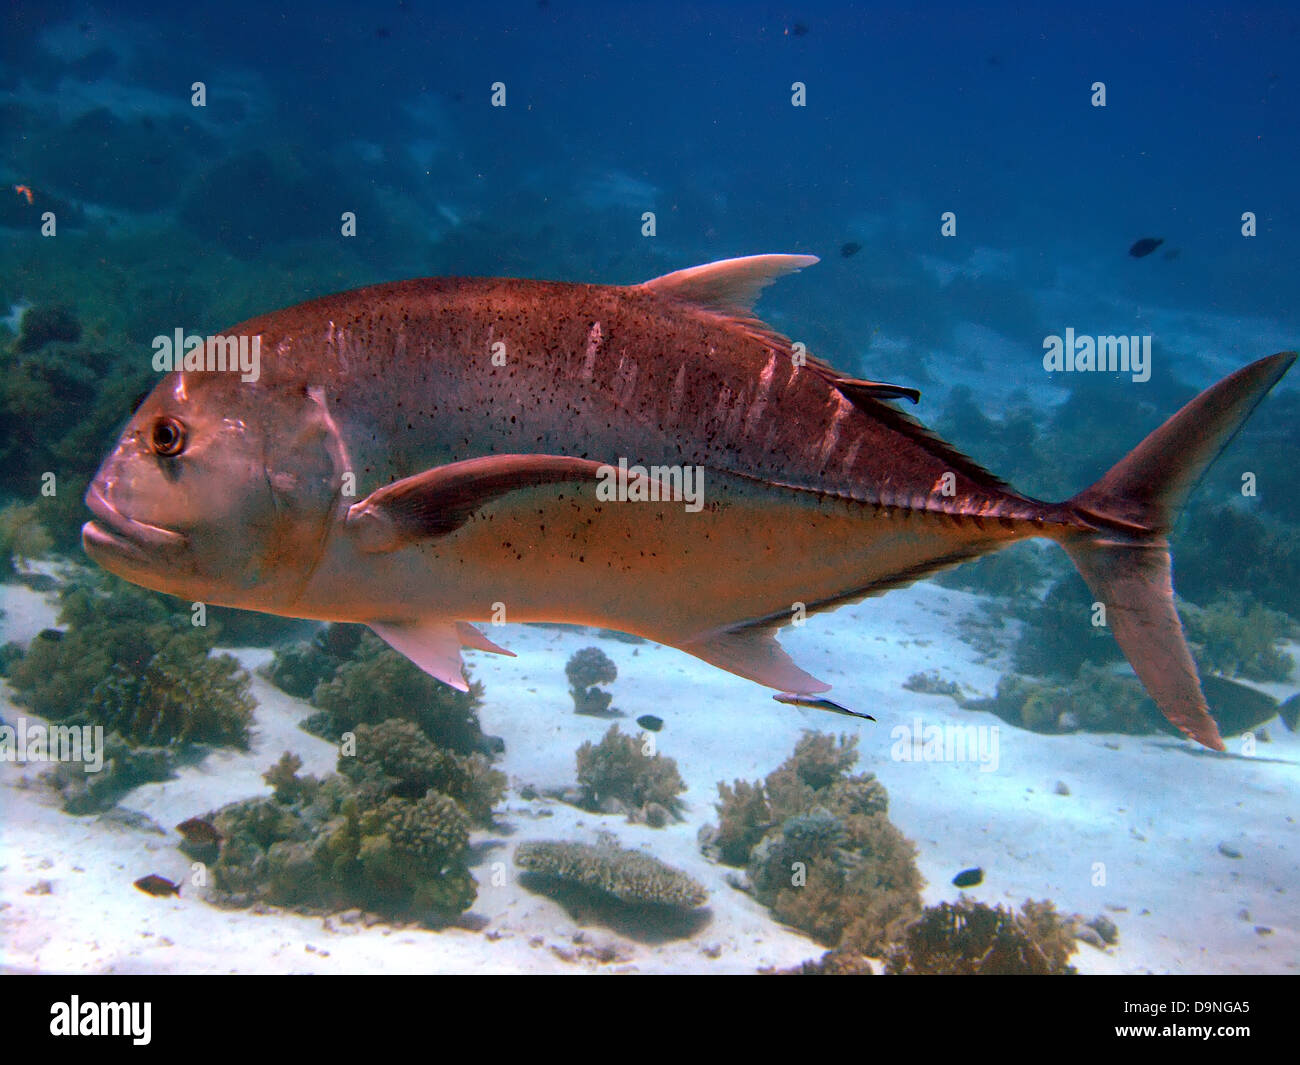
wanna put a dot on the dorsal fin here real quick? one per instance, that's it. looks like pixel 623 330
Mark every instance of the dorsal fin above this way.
pixel 728 285
pixel 936 445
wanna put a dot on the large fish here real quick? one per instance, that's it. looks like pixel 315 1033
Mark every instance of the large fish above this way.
pixel 422 455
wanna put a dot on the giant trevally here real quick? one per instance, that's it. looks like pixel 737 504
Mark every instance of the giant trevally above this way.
pixel 422 455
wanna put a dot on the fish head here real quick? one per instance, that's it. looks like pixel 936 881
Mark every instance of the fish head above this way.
pixel 218 491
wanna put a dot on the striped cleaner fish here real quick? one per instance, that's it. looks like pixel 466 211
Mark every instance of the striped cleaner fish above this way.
pixel 423 455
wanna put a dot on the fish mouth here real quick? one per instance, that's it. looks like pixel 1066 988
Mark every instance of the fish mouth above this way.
pixel 122 535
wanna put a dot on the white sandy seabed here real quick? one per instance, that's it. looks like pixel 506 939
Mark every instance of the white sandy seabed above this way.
pixel 1149 813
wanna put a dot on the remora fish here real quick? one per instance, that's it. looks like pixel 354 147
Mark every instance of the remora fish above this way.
pixel 414 453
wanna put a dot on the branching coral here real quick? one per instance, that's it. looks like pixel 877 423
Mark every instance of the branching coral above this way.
pixel 1095 699
pixel 411 853
pixel 125 767
pixel 842 879
pixel 744 815
pixel 1239 638
pixel 128 663
pixel 587 669
pixel 61 404
pixel 394 758
pixel 319 844
pixel 22 536
pixel 299 667
pixel 819 847
pixel 632 877
pixel 617 774
pixel 377 683
pixel 969 937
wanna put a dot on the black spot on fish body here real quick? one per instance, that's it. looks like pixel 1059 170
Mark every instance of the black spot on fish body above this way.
pixel 850 249
pixel 650 722
pixel 969 878
pixel 1145 246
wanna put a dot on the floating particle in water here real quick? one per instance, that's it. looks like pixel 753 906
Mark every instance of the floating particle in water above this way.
pixel 850 249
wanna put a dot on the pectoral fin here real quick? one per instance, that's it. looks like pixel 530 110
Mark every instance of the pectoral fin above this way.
pixel 439 501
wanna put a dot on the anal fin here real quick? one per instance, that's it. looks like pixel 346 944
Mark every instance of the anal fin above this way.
pixel 433 645
pixel 472 637
pixel 754 654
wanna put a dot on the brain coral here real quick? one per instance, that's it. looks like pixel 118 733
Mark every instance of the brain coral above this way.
pixel 630 876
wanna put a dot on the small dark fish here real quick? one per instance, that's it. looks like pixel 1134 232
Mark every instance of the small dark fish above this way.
pixel 1145 246
pixel 791 699
pixel 1235 707
pixel 52 635
pixel 1289 712
pixel 198 831
pixel 969 877
pixel 158 886
pixel 850 249
pixel 649 721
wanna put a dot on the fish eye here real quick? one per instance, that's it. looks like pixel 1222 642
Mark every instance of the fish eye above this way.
pixel 168 437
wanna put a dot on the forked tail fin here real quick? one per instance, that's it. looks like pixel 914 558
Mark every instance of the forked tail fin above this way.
pixel 1125 561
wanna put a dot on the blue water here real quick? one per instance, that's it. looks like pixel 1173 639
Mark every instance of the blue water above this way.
pixel 199 217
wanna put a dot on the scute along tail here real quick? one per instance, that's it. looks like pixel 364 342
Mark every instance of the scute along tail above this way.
pixel 1126 561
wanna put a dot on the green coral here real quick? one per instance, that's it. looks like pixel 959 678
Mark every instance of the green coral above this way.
pixel 61 407
pixel 1239 638
pixel 631 877
pixel 617 774
pixel 129 663
pixel 586 670
pixel 819 847
pixel 744 817
pixel 22 537
pixel 972 938
pixel 125 767
pixel 45 325
pixel 319 845
pixel 1220 549
pixel 299 667
pixel 411 853
pixel 841 878
pixel 378 683
pixel 1096 699
pixel 390 831
pixel 1058 635
pixel 285 783
pixel 394 758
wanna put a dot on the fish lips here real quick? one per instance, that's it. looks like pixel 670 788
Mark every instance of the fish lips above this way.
pixel 115 535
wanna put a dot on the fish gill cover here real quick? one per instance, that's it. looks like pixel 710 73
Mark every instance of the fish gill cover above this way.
pixel 486 438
